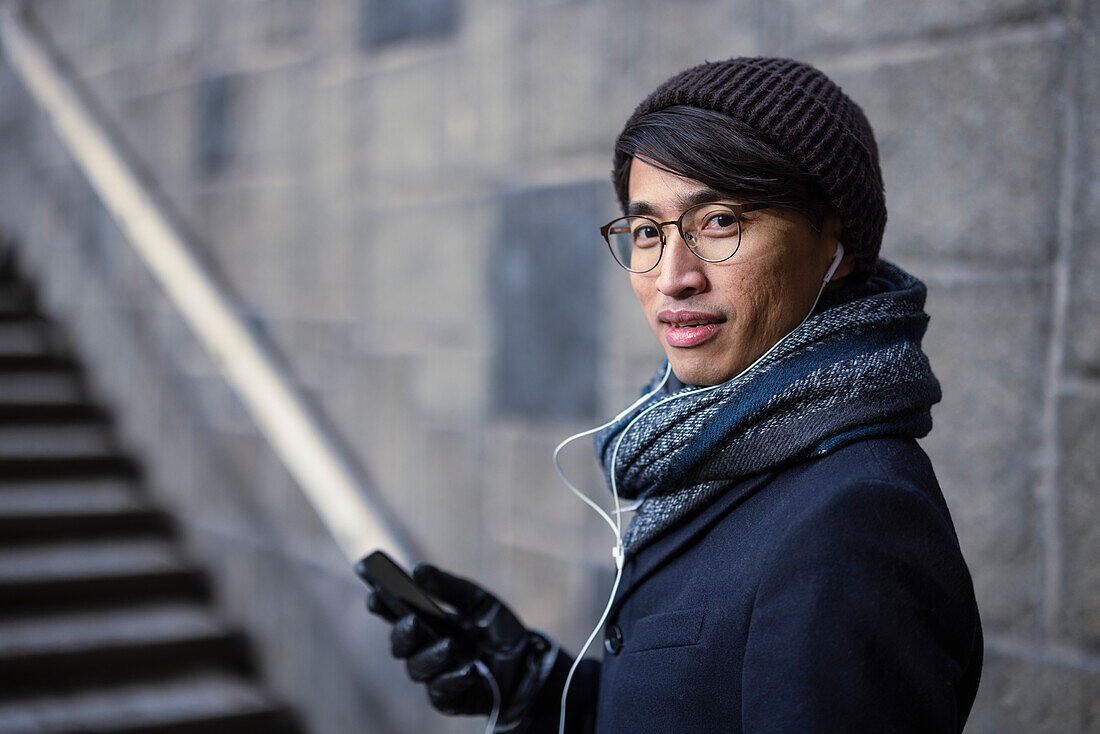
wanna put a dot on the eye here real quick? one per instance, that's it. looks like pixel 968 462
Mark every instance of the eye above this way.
pixel 646 235
pixel 719 223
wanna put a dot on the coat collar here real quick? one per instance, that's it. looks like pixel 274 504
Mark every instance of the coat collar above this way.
pixel 653 557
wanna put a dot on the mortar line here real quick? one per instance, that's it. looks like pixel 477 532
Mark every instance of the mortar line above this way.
pixel 1046 655
pixel 1080 387
pixel 971 274
pixel 889 51
pixel 1047 492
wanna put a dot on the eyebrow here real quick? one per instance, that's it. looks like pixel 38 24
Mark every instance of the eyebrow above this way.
pixel 700 196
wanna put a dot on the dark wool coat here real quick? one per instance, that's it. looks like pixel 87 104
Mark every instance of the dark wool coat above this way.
pixel 830 596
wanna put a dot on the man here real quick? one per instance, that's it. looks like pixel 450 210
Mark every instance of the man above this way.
pixel 792 566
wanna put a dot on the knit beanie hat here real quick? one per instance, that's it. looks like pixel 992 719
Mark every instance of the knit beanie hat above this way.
pixel 806 117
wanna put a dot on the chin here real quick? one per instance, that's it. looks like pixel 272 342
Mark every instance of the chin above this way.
pixel 698 375
pixel 703 372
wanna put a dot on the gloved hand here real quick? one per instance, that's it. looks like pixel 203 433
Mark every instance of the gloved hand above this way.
pixel 483 628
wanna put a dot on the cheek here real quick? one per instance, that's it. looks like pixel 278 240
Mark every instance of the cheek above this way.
pixel 643 289
pixel 757 306
pixel 757 299
pixel 743 287
pixel 785 301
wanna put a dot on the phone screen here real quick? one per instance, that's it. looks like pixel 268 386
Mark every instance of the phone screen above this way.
pixel 381 570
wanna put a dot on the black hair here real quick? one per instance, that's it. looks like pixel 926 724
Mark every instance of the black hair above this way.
pixel 720 151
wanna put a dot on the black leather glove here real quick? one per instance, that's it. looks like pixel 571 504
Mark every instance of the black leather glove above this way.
pixel 442 655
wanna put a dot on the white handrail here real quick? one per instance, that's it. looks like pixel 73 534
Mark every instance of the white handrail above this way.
pixel 330 482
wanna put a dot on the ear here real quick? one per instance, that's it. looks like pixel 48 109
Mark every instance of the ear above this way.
pixel 847 263
pixel 833 229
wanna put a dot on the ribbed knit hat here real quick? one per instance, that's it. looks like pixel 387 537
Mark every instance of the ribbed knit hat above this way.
pixel 806 117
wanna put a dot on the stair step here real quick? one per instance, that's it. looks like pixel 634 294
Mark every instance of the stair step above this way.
pixel 99 573
pixel 71 509
pixel 34 512
pixel 16 297
pixel 101 465
pixel 53 440
pixel 205 702
pixel 25 528
pixel 20 598
pixel 37 363
pixel 68 497
pixel 85 559
pixel 25 334
pixel 29 412
pixel 81 648
pixel 77 631
pixel 23 384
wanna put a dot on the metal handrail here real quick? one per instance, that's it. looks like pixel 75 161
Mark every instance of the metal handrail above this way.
pixel 327 477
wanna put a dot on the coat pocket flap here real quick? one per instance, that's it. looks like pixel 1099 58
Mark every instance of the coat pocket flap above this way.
pixel 667 629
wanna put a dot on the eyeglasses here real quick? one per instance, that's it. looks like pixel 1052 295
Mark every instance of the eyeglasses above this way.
pixel 712 231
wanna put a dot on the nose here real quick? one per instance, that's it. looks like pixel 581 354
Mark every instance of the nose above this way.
pixel 680 273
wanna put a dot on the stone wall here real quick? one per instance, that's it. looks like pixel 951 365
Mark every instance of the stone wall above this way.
pixel 405 197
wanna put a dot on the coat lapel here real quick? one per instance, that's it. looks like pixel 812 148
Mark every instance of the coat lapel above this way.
pixel 653 557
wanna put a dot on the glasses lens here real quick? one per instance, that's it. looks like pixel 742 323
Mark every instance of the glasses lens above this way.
pixel 713 231
pixel 635 243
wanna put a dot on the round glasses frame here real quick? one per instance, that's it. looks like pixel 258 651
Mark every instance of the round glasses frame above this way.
pixel 687 237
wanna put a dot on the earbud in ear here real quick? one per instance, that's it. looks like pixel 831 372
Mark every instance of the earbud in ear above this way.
pixel 836 262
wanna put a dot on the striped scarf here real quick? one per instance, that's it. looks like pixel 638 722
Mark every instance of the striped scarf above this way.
pixel 853 370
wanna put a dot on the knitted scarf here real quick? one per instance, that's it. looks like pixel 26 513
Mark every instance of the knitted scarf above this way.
pixel 853 370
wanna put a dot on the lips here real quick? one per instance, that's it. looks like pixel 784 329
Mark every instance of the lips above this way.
pixel 689 328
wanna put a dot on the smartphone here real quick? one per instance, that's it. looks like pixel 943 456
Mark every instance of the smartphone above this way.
pixel 382 572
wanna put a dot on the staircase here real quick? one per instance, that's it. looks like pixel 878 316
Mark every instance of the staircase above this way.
pixel 105 626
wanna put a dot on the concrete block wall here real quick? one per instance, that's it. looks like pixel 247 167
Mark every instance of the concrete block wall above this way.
pixel 381 184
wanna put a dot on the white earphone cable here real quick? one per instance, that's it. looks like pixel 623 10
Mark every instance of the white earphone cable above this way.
pixel 495 689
